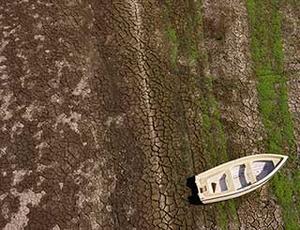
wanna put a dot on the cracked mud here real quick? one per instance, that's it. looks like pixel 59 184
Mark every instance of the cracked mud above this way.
pixel 107 107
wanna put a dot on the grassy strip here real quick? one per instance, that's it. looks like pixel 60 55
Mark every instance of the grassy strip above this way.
pixel 184 42
pixel 215 148
pixel 267 55
pixel 213 133
pixel 214 142
pixel 183 38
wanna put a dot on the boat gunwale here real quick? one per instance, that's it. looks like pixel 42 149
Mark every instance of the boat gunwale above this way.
pixel 235 161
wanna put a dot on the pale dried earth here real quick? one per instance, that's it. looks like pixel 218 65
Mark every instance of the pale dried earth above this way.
pixel 100 130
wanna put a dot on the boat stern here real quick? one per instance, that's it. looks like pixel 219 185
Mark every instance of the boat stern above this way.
pixel 201 187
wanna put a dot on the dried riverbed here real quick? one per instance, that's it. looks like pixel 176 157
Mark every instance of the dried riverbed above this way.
pixel 107 107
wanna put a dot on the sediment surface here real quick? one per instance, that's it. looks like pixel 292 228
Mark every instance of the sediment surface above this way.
pixel 109 106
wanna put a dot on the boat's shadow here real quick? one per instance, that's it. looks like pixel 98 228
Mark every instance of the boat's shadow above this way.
pixel 194 198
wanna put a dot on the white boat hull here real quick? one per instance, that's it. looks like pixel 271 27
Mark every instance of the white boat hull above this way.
pixel 237 177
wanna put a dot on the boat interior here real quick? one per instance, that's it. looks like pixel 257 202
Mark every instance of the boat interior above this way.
pixel 237 177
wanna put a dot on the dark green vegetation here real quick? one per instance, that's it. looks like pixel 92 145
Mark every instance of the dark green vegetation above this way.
pixel 185 41
pixel 267 55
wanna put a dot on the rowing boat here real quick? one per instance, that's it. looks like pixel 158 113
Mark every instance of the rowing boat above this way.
pixel 238 177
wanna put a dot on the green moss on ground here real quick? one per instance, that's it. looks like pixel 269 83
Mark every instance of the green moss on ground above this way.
pixel 215 149
pixel 267 55
pixel 171 35
pixel 183 32
pixel 213 133
pixel 184 43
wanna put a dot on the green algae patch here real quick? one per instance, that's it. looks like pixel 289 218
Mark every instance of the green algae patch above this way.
pixel 267 56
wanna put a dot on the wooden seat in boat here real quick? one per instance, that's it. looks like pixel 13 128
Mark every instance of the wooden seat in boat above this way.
pixel 229 181
pixel 250 176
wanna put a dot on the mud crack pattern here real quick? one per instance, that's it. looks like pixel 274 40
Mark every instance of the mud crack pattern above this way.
pixel 100 130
